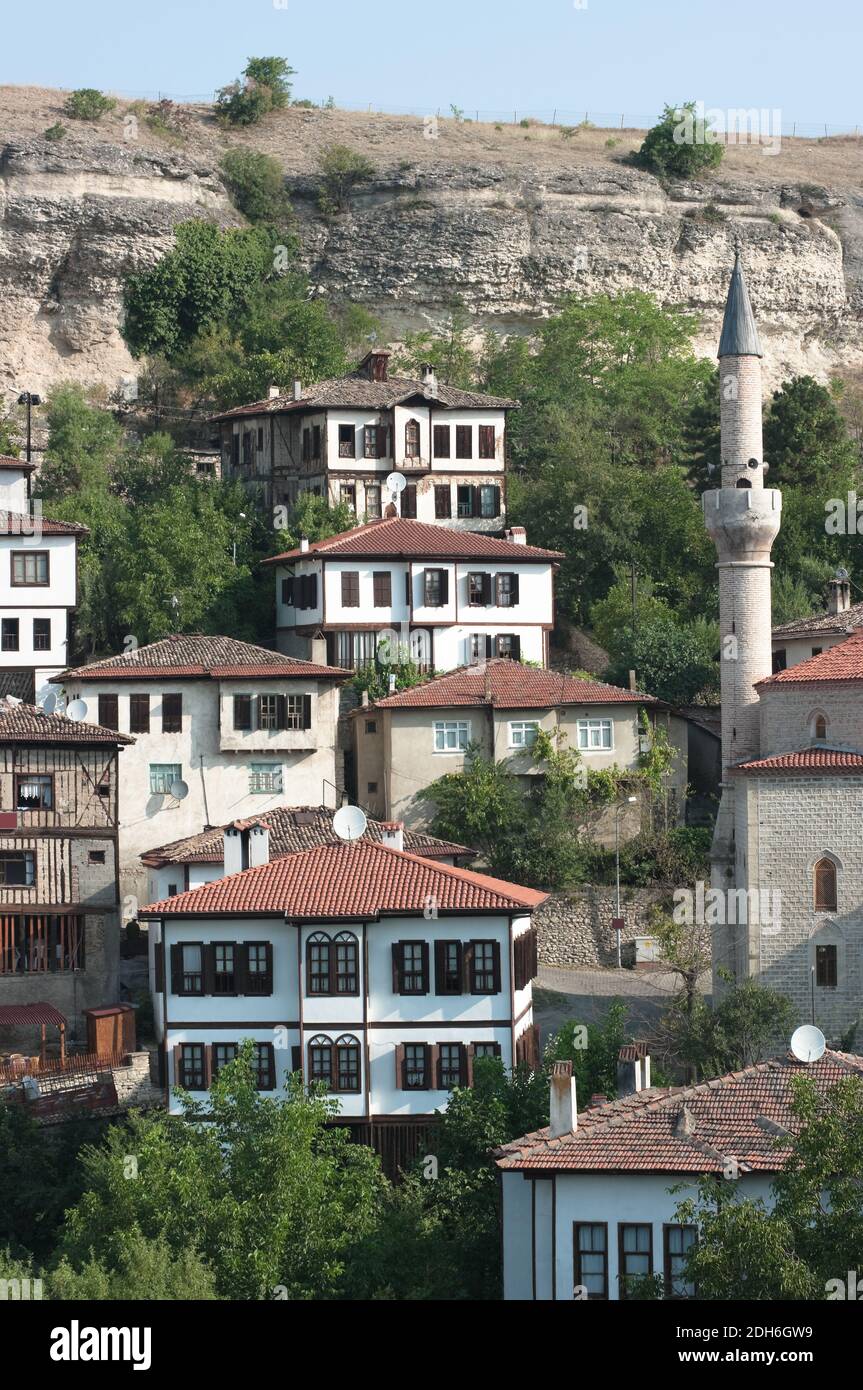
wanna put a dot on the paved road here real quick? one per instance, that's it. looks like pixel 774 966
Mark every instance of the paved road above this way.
pixel 586 994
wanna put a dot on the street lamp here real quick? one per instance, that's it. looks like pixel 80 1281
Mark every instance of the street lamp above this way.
pixel 618 920
pixel 242 517
pixel 29 398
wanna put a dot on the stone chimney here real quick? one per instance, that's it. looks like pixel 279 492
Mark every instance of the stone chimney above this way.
pixel 428 377
pixel 839 593
pixel 304 544
pixel 259 844
pixel 633 1070
pixel 516 535
pixel 318 650
pixel 375 364
pixel 298 390
pixel 393 834
pixel 273 393
pixel 563 1114
pixel 233 855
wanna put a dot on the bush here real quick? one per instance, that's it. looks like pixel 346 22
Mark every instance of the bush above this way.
pixel 88 104
pixel 266 88
pixel 55 131
pixel 680 144
pixel 343 169
pixel 257 185
pixel 167 117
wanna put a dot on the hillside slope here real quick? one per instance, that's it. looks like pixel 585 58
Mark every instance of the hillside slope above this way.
pixel 507 219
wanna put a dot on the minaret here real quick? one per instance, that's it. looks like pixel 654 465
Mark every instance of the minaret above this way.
pixel 743 518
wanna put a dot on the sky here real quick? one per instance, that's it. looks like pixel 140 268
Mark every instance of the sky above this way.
pixel 491 56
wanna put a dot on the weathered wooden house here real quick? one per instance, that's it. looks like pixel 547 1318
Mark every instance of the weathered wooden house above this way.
pixel 59 886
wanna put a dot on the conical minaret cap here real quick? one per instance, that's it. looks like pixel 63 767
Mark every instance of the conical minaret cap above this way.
pixel 739 334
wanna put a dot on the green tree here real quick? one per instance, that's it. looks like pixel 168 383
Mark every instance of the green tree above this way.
pixel 87 104
pixel 141 1269
pixel 448 349
pixel 671 661
pixel 342 171
pixel 806 439
pixel 593 1049
pixel 746 1022
pixel 256 182
pixel 266 88
pixel 682 144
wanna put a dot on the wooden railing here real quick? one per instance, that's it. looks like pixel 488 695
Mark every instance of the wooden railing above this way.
pixel 77 1069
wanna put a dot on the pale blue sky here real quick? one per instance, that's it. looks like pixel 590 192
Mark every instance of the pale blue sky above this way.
pixel 610 56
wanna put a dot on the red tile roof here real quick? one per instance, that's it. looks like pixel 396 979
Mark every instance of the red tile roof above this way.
pixel 357 391
pixel 806 760
pixel 348 882
pixel 509 685
pixel 21 723
pixel 7 461
pixel 293 828
pixel 686 1129
pixel 194 654
pixel 844 662
pixel 12 524
pixel 394 538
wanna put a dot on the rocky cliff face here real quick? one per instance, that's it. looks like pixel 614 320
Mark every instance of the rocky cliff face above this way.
pixel 479 213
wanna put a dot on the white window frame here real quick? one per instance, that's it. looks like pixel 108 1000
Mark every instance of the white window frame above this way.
pixel 441 726
pixel 160 782
pixel 523 725
pixel 585 730
pixel 266 779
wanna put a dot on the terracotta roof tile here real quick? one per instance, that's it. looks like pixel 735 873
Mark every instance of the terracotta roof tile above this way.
pixel 509 685
pixel 356 391
pixel 822 622
pixel 8 461
pixel 729 1116
pixel 12 524
pixel 844 662
pixel 193 654
pixel 395 538
pixel 20 723
pixel 348 881
pixel 806 760
pixel 293 828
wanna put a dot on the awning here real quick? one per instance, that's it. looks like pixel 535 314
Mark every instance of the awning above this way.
pixel 24 1015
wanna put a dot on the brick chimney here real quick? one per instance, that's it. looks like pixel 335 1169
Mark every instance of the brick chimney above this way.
pixel 563 1113
pixel 633 1069
pixel 516 535
pixel 375 364
pixel 839 593
pixel 393 834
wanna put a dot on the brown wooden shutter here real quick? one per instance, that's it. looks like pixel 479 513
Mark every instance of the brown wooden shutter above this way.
pixel 281 711
pixel 513 588
pixel 177 970
pixel 208 1066
pixel 268 961
pixel 313 591
pixel 516 648
pixel 424 954
pixel 489 645
pixel 467 967
pixel 486 589
pixel 400 1066
pixel 209 963
pixel 307 711
pixel 444 587
pixel 497 501
pixel 397 967
pixel 496 965
pixel 439 966
pixel 469 1053
pixel 178 1064
pixel 296 1057
pixel 159 967
pixel 434 1068
pixel 462 1064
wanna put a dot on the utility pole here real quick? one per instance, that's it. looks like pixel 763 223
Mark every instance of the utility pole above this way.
pixel 29 398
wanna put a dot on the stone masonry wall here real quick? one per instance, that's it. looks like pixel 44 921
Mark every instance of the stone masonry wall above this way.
pixel 574 929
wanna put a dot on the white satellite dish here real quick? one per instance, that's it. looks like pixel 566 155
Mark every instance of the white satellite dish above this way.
pixel 350 823
pixel 77 710
pixel 808 1043
pixel 179 790
pixel 396 482
pixel 49 704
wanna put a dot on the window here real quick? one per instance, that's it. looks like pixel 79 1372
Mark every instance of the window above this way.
pixel 780 660
pixel 479 647
pixel 452 1070
pixel 373 500
pixel 506 590
pixel 172 714
pixel 259 967
pixel 479 590
pixel 409 502
pixel 375 441
pixel 448 967
pixel 819 728
pixel 40 943
pixel 635 1255
pixel 355 649
pixel 348 495
pixel 826 966
pixel 17 868
pixel 507 644
pixel 435 588
pixel 192 1068
pixel 413 1066
pixel 441 441
pixel 382 584
pixel 260 438
pixel 243 712
pixel 264 1062
pixel 30 567
pixel 371 788
pixel 139 714
pixel 224 974
pixel 347 964
pixel 163 776
pixel 172 890
pixel 347 442
pixel 451 735
pixel 464 441
pixel 223 1053
pixel 525 961
pixel 464 501
pixel 265 779
pixel 594 733
pixel 109 712
pixel 489 501
pixel 189 977
pixel 412 439
pixel 486 1049
pixel 306 591
pixel 371 726
pixel 321 1060
pixel 96 856
pixel 484 960
pixel 248 445
pixel 288 591
pixel 41 634
pixel 825 886
pixel 235 451
pixel 523 732
pixel 590 1257
pixel 350 589
pixel 347 1076
pixel 34 792
pixel 9 635
pixel 486 442
pixel 410 967
pixel 332 967
pixel 277 712
pixel 677 1241
pixel 443 502
pixel 816 651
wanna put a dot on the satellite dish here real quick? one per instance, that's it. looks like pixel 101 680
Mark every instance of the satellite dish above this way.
pixel 350 823
pixel 49 704
pixel 77 710
pixel 808 1043
pixel 396 482
pixel 179 790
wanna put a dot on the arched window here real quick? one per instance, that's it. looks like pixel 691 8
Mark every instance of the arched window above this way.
pixel 318 957
pixel 819 727
pixel 412 439
pixel 321 1060
pixel 347 980
pixel 347 1064
pixel 825 886
pixel 827 955
pixel 743 482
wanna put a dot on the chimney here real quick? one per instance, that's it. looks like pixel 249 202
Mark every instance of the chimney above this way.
pixel 632 684
pixel 563 1115
pixel 273 393
pixel 516 535
pixel 375 364
pixel 304 544
pixel 839 593
pixel 233 851
pixel 298 390
pixel 428 377
pixel 393 834
pixel 318 649
pixel 365 699
pixel 633 1070
pixel 259 844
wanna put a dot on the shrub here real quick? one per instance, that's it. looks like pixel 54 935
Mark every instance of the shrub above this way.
pixel 266 88
pixel 525 124
pixel 257 185
pixel 55 131
pixel 167 117
pixel 88 104
pixel 343 169
pixel 680 144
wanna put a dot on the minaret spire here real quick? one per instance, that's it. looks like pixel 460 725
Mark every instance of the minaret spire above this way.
pixel 739 333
